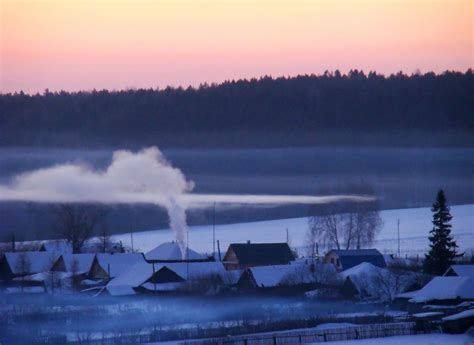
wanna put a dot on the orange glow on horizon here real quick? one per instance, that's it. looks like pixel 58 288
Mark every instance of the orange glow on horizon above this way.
pixel 86 44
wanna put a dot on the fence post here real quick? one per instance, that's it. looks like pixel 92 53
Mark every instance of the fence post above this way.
pixel 274 340
pixel 299 338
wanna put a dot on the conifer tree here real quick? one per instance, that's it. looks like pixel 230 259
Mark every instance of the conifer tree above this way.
pixel 443 246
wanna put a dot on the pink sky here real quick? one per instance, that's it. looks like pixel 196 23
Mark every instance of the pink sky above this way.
pixel 116 44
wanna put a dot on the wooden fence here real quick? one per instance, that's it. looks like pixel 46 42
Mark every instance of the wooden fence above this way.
pixel 314 336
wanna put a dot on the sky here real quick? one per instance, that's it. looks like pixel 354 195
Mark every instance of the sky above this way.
pixel 85 44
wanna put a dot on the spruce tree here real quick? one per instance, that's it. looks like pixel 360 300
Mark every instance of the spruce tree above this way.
pixel 443 246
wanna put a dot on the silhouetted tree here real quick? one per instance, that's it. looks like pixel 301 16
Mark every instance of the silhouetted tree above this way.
pixel 443 246
pixel 77 223
pixel 346 225
pixel 307 109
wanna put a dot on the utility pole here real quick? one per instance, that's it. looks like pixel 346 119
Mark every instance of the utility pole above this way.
pixel 287 236
pixel 214 231
pixel 187 253
pixel 131 241
pixel 398 227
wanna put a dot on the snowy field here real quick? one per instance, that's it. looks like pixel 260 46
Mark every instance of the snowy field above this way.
pixel 415 224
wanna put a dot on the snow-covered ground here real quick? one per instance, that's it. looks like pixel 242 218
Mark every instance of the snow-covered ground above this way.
pixel 420 339
pixel 415 224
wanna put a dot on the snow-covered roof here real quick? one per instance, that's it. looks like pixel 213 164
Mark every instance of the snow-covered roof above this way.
pixel 461 270
pixel 196 270
pixel 428 314
pixel 118 262
pixel 83 262
pixel 141 271
pixel 443 288
pixel 170 251
pixel 462 315
pixel 365 268
pixel 35 262
pixel 56 246
pixel 378 282
pixel 353 257
pixel 292 274
pixel 132 277
pixel 42 277
pixel 271 276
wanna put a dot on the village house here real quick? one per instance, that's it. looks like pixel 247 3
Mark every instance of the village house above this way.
pixel 167 277
pixel 106 266
pixel 245 255
pixel 345 259
pixel 296 276
pixel 450 290
pixel 76 266
pixel 21 264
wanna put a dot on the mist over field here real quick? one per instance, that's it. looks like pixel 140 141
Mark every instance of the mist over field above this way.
pixel 401 177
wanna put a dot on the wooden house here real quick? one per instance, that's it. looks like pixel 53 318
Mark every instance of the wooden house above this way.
pixel 106 266
pixel 443 290
pixel 20 264
pixel 245 255
pixel 345 259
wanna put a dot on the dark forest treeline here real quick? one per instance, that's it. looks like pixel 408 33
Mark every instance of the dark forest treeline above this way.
pixel 330 109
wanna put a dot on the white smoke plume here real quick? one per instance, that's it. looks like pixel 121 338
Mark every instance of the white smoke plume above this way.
pixel 141 177
pixel 144 176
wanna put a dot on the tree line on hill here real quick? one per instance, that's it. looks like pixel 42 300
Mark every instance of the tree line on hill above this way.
pixel 333 108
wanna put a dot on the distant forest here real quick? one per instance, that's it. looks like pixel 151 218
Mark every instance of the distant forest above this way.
pixel 328 109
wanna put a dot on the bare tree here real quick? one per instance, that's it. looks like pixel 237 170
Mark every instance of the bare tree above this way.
pixel 78 222
pixel 345 225
pixel 104 238
pixel 74 274
pixel 23 267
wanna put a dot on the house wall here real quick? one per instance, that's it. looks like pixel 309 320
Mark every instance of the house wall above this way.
pixel 97 272
pixel 231 262
pixel 333 258
pixel 6 273
pixel 165 275
pixel 59 265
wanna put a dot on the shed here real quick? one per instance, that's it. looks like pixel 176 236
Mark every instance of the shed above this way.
pixel 345 259
pixel 245 255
